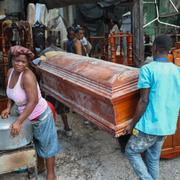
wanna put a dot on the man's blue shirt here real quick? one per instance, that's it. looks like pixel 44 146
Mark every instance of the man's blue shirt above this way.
pixel 161 115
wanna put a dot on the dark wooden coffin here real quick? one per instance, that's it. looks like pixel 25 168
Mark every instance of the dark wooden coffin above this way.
pixel 171 147
pixel 3 103
pixel 103 92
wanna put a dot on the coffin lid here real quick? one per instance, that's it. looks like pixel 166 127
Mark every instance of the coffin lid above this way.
pixel 95 72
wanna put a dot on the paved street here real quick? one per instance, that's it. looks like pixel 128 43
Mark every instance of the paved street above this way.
pixel 93 154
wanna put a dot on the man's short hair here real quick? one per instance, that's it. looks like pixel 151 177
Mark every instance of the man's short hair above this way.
pixel 77 29
pixel 163 43
pixel 51 39
pixel 70 29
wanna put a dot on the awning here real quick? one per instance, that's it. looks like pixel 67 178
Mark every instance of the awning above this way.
pixel 61 3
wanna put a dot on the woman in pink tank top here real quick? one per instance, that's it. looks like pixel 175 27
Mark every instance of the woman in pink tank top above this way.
pixel 23 90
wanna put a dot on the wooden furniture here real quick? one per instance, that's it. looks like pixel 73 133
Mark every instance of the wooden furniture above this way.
pixel 13 160
pixel 120 45
pixel 171 147
pixel 12 33
pixel 178 45
pixel 103 92
pixel 99 47
pixel 176 55
pixel 3 103
pixel 116 48
pixel 25 34
pixel 3 55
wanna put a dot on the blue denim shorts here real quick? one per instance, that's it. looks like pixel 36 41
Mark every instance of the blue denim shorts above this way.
pixel 45 135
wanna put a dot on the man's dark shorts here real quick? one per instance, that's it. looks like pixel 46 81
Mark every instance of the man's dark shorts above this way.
pixel 60 107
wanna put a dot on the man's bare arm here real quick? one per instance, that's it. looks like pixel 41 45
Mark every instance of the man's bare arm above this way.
pixel 140 109
pixel 78 47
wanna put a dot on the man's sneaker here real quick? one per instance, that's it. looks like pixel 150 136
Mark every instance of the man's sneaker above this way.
pixel 68 133
pixel 86 122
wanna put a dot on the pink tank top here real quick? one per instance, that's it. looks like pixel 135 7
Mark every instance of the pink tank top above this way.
pixel 18 95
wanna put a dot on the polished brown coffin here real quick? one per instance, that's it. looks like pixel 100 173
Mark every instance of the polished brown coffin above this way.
pixel 171 147
pixel 3 103
pixel 103 92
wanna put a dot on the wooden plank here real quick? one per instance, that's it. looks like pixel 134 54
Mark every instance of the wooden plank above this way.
pixel 138 32
pixel 16 159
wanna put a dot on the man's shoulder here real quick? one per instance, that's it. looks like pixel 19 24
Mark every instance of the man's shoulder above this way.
pixel 175 66
pixel 148 67
pixel 76 42
pixel 157 66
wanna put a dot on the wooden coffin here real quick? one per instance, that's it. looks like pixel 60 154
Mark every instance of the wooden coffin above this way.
pixel 103 92
pixel 171 147
pixel 3 103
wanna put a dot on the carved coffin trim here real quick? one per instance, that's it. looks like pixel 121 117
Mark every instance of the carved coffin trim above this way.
pixel 112 80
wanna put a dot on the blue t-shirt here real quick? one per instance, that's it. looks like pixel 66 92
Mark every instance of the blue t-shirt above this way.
pixel 161 115
pixel 70 48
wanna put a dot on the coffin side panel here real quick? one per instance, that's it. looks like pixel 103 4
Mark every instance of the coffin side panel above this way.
pixel 92 106
pixel 126 107
pixel 171 147
pixel 124 111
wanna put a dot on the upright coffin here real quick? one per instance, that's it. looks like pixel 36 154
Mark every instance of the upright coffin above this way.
pixel 103 92
pixel 171 146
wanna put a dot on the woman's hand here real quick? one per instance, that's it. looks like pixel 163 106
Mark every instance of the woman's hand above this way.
pixel 5 113
pixel 15 128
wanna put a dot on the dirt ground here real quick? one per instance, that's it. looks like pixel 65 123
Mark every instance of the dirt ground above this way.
pixel 93 154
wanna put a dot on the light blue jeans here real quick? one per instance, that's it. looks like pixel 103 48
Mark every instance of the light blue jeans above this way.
pixel 45 135
pixel 146 168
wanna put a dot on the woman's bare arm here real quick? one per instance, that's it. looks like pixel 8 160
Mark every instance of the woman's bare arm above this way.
pixel 29 83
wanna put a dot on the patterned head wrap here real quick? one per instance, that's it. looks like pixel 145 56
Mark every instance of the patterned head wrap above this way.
pixel 20 50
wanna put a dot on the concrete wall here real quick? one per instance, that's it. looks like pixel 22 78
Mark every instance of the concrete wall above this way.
pixel 11 6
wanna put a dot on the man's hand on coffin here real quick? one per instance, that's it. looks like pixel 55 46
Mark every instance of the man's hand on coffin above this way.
pixel 128 129
pixel 15 128
pixel 140 109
